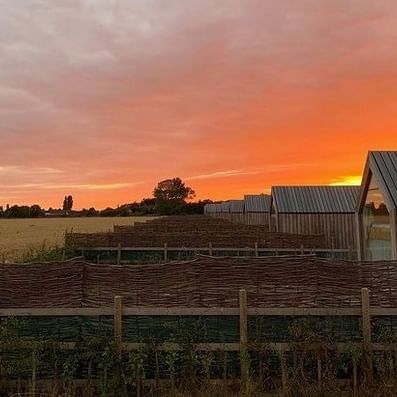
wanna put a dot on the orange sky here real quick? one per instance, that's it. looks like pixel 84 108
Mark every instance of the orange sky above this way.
pixel 102 99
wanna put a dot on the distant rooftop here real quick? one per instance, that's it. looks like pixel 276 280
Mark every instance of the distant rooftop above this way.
pixel 236 206
pixel 257 202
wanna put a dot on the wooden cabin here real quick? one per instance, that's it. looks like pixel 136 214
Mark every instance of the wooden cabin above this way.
pixel 224 209
pixel 377 208
pixel 257 209
pixel 326 210
pixel 236 211
pixel 209 209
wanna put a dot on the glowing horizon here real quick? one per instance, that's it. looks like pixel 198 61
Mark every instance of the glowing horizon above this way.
pixel 103 99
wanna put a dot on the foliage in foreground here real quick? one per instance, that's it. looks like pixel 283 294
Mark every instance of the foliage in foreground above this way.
pixel 46 366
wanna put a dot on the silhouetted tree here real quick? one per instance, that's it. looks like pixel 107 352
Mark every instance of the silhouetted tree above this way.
pixel 171 196
pixel 16 211
pixel 67 203
pixel 36 211
pixel 92 212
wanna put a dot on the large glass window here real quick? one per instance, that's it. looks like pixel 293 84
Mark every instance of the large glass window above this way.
pixel 377 225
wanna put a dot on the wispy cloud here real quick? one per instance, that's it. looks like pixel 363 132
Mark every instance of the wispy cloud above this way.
pixel 71 186
pixel 93 186
pixel 222 174
pixel 241 172
pixel 25 170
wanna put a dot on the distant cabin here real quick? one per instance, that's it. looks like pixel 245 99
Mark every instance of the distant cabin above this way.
pixel 257 209
pixel 225 210
pixel 237 211
pixel 325 210
pixel 209 209
pixel 377 208
pixel 214 210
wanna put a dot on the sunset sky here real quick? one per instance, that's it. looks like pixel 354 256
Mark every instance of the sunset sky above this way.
pixel 101 99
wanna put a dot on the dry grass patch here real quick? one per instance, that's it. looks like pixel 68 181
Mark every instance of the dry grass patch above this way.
pixel 20 235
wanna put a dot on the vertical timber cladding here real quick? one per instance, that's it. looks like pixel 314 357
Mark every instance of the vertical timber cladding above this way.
pixel 339 229
pixel 213 210
pixel 257 209
pixel 236 208
pixel 225 210
pixel 257 218
pixel 326 210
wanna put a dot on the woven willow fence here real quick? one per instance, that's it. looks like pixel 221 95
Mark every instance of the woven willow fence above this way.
pixel 243 309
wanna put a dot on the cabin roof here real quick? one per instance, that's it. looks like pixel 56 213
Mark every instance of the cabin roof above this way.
pixel 315 199
pixel 383 164
pixel 236 206
pixel 257 202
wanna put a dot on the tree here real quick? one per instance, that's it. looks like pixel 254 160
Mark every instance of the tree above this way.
pixel 171 196
pixel 173 190
pixel 92 212
pixel 16 211
pixel 36 211
pixel 67 203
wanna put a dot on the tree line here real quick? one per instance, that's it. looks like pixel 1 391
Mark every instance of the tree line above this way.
pixel 170 197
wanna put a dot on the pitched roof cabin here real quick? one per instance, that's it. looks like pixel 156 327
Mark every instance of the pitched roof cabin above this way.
pixel 325 210
pixel 377 207
pixel 257 209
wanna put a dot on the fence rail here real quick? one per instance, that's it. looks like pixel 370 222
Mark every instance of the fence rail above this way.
pixel 195 311
pixel 243 312
pixel 211 250
pixel 118 312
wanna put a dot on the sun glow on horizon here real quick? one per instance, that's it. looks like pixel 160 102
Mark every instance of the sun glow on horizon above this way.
pixel 353 180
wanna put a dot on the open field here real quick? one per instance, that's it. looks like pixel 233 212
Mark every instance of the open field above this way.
pixel 20 235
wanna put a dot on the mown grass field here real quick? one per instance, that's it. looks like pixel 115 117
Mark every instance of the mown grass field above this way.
pixel 17 236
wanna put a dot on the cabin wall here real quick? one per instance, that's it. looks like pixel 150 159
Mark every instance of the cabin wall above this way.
pixel 394 234
pixel 257 218
pixel 338 229
pixel 224 215
pixel 237 217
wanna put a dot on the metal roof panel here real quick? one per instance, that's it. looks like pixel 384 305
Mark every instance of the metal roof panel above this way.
pixel 315 199
pixel 236 206
pixel 257 202
pixel 386 163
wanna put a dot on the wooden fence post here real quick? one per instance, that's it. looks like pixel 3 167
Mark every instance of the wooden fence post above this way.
pixel 350 253
pixel 284 372
pixel 355 391
pixel 165 252
pixel 118 261
pixel 117 323
pixel 319 373
pixel 256 249
pixel 210 252
pixel 244 359
pixel 366 324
